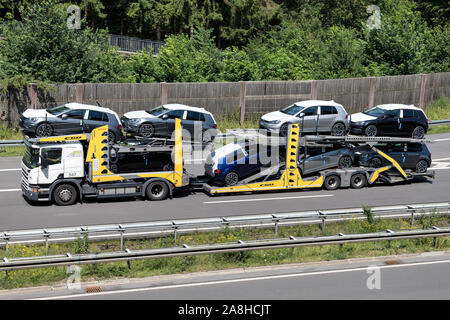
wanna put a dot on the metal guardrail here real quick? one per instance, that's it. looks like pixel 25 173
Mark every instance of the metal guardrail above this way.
pixel 176 227
pixel 130 44
pixel 188 250
pixel 438 122
pixel 11 143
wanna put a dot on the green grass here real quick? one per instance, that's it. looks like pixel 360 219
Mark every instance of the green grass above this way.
pixel 437 110
pixel 7 133
pixel 152 267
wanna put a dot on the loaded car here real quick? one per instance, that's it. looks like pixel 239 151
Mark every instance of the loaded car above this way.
pixel 70 118
pixel 160 122
pixel 236 161
pixel 321 158
pixel 313 116
pixel 414 156
pixel 396 120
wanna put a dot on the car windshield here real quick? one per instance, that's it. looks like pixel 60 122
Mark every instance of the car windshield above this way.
pixel 292 109
pixel 56 111
pixel 156 111
pixel 31 157
pixel 375 112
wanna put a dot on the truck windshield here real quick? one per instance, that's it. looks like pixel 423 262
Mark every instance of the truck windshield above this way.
pixel 156 111
pixel 56 111
pixel 31 157
pixel 292 109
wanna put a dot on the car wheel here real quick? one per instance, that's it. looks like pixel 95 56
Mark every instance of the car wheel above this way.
pixel 231 178
pixel 111 137
pixel 371 131
pixel 65 195
pixel 157 190
pixel 146 130
pixel 375 162
pixel 332 182
pixel 44 130
pixel 284 130
pixel 421 166
pixel 418 133
pixel 358 181
pixel 345 162
pixel 338 130
pixel 168 167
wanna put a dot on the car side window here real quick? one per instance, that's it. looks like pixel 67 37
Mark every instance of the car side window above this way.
pixel 97 116
pixel 175 114
pixel 393 113
pixel 75 114
pixel 327 110
pixel 195 116
pixel 311 111
pixel 53 155
pixel 408 113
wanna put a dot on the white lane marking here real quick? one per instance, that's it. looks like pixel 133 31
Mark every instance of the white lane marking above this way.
pixel 439 140
pixel 268 199
pixel 5 170
pixel 447 168
pixel 10 190
pixel 443 159
pixel 208 283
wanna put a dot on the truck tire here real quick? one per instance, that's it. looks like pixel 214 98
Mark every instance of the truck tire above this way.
pixel 65 195
pixel 157 190
pixel 332 182
pixel 358 181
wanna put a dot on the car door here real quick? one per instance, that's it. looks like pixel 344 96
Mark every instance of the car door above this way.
pixel 194 124
pixel 408 122
pixel 412 155
pixel 309 119
pixel 390 123
pixel 313 161
pixel 326 118
pixel 398 153
pixel 70 122
pixel 96 119
pixel 169 121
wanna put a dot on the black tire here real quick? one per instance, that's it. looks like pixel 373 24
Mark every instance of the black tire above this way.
pixel 146 130
pixel 345 162
pixel 65 195
pixel 422 166
pixel 358 181
pixel 375 162
pixel 371 131
pixel 44 130
pixel 157 191
pixel 332 182
pixel 284 130
pixel 418 132
pixel 111 137
pixel 231 178
pixel 338 129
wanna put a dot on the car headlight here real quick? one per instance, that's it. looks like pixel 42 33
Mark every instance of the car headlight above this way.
pixel 273 122
pixel 33 119
pixel 133 120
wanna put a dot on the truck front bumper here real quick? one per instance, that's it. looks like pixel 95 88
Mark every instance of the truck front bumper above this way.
pixel 34 193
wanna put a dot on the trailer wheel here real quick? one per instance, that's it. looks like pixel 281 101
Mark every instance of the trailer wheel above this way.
pixel 65 195
pixel 358 181
pixel 157 190
pixel 332 182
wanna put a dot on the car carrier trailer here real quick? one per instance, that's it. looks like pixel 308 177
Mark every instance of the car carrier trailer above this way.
pixel 66 169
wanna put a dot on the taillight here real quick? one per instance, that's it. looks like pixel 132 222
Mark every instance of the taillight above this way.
pixel 346 116
pixel 215 126
pixel 217 171
pixel 119 126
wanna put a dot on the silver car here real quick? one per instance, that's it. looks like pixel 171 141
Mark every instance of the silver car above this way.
pixel 313 116
pixel 318 159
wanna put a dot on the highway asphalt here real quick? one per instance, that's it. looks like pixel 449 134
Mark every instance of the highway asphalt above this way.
pixel 425 276
pixel 16 213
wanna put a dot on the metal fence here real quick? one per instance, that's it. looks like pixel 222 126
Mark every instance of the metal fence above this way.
pixel 238 246
pixel 176 227
pixel 130 44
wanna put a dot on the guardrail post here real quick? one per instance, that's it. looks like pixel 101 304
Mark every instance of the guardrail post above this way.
pixel 276 220
pixel 341 245
pixel 6 237
pixel 389 241
pixel 121 230
pixel 46 237
pixel 435 238
pixel 412 217
pixel 175 228
pixel 323 225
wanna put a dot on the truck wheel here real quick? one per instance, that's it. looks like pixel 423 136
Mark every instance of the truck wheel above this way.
pixel 157 190
pixel 65 195
pixel 332 182
pixel 358 181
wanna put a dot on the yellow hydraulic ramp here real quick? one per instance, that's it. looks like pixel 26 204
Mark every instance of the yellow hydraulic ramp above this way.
pixel 394 164
pixel 97 155
pixel 290 179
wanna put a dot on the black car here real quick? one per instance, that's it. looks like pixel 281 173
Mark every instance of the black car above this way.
pixel 414 156
pixel 396 120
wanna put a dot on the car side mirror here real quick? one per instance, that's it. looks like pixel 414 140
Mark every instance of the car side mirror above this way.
pixel 165 116
pixel 301 115
pixel 44 161
pixel 64 116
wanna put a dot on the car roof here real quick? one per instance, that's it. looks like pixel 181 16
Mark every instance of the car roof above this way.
pixel 396 106
pixel 178 106
pixel 75 105
pixel 311 103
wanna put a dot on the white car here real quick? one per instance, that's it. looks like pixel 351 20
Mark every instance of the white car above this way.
pixel 313 116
